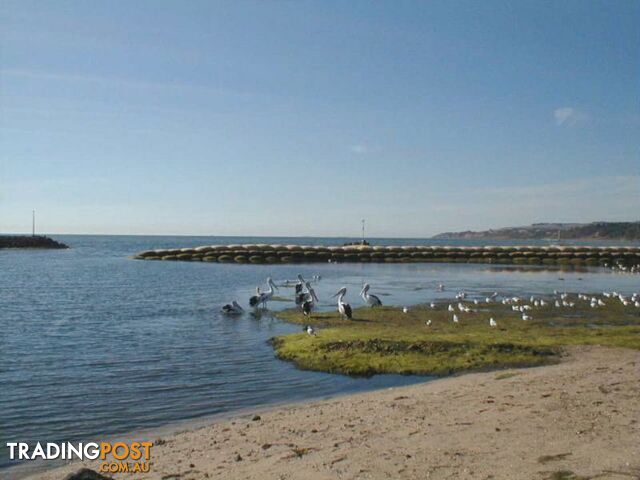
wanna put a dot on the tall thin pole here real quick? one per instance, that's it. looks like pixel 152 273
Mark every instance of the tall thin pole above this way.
pixel 33 223
pixel 363 231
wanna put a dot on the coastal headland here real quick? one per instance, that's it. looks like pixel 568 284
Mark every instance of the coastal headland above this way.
pixel 29 241
pixel 518 255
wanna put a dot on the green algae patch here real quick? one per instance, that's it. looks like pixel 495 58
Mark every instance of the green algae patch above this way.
pixel 386 340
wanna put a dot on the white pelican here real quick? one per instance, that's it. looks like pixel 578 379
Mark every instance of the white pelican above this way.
pixel 310 331
pixel 343 308
pixel 492 323
pixel 310 300
pixel 369 299
pixel 264 297
pixel 232 308
pixel 255 300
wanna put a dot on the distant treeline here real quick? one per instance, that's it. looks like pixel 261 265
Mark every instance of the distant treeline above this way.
pixel 566 231
pixel 28 241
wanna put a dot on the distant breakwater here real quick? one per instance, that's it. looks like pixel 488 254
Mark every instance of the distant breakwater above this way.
pixel 29 241
pixel 522 255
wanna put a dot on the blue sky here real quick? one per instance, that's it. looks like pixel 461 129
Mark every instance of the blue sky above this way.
pixel 301 118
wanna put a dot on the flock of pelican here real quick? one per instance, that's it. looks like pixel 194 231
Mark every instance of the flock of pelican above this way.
pixel 305 299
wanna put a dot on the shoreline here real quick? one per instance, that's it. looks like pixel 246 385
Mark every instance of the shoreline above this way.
pixel 28 471
pixel 576 416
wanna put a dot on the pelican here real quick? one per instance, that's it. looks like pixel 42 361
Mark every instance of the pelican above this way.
pixel 310 299
pixel 369 299
pixel 492 323
pixel 255 300
pixel 268 295
pixel 300 284
pixel 343 308
pixel 232 308
pixel 310 331
pixel 264 297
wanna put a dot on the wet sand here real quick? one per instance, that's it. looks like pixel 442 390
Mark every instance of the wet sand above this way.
pixel 581 415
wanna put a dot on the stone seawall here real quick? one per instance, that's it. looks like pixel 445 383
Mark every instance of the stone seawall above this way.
pixel 272 254
pixel 28 241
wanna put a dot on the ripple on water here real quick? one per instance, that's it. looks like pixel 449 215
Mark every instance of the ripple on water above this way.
pixel 96 344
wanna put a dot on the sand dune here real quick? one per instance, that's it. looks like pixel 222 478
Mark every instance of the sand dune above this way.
pixel 579 416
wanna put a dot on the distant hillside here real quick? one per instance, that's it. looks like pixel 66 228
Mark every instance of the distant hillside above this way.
pixel 568 231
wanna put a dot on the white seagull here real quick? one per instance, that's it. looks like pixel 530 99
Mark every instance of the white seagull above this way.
pixel 492 323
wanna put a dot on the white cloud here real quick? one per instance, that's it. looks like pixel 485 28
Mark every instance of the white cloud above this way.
pixel 362 149
pixel 569 116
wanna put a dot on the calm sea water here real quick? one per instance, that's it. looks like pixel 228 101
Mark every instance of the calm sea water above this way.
pixel 93 343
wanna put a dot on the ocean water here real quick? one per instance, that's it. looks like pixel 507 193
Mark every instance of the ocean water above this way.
pixel 94 344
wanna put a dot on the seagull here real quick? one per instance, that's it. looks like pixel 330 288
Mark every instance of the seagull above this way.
pixel 232 308
pixel 405 310
pixel 369 299
pixel 455 318
pixel 526 317
pixel 343 308
pixel 440 287
pixel 432 305
pixel 451 309
pixel 492 323
pixel 429 323
pixel 310 331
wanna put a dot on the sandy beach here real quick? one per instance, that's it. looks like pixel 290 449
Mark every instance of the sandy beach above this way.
pixel 579 416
